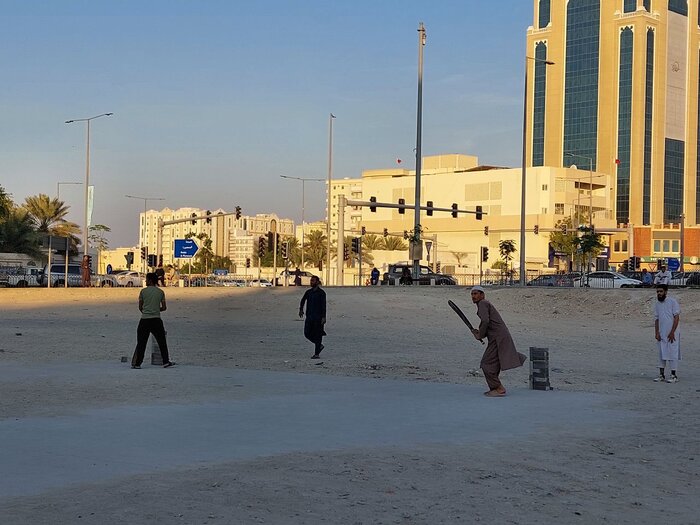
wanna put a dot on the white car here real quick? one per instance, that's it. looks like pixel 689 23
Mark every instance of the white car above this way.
pixel 607 279
pixel 264 283
pixel 236 283
pixel 128 278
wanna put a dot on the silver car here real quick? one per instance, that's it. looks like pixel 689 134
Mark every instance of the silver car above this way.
pixel 130 278
pixel 608 279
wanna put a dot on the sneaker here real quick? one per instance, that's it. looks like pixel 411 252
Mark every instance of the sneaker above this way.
pixel 315 356
pixel 659 379
pixel 169 364
pixel 137 367
pixel 672 379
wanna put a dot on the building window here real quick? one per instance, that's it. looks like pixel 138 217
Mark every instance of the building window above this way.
pixel 544 211
pixel 657 246
pixel 678 6
pixel 544 14
pixel 616 246
pixel 624 246
pixel 624 126
pixel 581 80
pixel 673 180
pixel 675 246
pixel 630 6
pixel 666 246
pixel 647 5
pixel 648 108
pixel 558 208
pixel 545 187
pixel 538 112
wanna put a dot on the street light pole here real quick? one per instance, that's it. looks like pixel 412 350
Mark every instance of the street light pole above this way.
pixel 142 237
pixel 524 170
pixel 331 116
pixel 590 185
pixel 87 173
pixel 419 159
pixel 303 190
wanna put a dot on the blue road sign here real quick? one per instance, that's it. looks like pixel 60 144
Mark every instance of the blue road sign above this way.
pixel 109 269
pixel 185 248
pixel 220 272
pixel 674 264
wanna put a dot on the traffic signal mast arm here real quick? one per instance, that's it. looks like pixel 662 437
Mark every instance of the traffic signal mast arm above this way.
pixel 406 206
pixel 196 218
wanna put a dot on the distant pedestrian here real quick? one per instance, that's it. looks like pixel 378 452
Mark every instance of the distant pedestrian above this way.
pixel 667 318
pixel 85 271
pixel 647 279
pixel 160 274
pixel 297 277
pixel 663 276
pixel 151 304
pixel 406 278
pixel 374 276
pixel 500 354
pixel 315 300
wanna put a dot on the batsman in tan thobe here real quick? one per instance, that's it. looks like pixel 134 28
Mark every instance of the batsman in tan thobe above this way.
pixel 500 354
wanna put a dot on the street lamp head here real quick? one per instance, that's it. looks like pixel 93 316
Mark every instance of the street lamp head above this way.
pixel 549 62
pixel 69 121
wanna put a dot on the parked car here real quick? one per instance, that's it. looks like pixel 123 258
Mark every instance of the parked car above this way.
pixel 239 283
pixel 262 283
pixel 130 278
pixel 608 279
pixel 58 275
pixel 105 281
pixel 552 280
pixel 426 275
pixel 19 277
pixel 305 278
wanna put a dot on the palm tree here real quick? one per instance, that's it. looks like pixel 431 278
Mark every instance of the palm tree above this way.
pixel 367 257
pixel 395 243
pixel 6 203
pixel 294 252
pixel 315 248
pixel 49 217
pixel 372 242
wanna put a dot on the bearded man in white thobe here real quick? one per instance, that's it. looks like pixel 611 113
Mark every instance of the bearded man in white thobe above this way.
pixel 667 316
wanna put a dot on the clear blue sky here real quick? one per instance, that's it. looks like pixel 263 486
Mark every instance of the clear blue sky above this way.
pixel 213 100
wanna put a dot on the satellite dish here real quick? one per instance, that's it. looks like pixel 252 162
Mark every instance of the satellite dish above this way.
pixel 693 260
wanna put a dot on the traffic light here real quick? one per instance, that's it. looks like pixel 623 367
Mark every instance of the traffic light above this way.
pixel 429 211
pixel 160 260
pixel 356 245
pixel 537 229
pixel 270 241
pixel 454 210
pixel 247 262
pixel 592 229
pixel 193 221
pixel 152 259
pixel 363 230
pixel 373 208
pixel 486 231
pixel 479 213
pixel 484 254
pixel 564 229
pixel 637 262
pixel 129 256
pixel 386 232
pixel 208 217
pixel 238 212
pixel 402 202
pixel 261 247
pixel 634 262
pixel 437 267
pixel 285 250
pixel 144 251
pixel 89 261
pixel 405 234
pixel 625 265
pixel 346 253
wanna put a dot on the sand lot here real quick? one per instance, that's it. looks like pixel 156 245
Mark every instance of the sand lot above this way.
pixel 640 467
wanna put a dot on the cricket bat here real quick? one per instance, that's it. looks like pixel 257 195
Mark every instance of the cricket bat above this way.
pixel 462 317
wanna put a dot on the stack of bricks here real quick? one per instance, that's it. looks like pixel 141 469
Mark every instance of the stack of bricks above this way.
pixel 539 369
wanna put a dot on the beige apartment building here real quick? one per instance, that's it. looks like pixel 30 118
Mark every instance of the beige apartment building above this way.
pixel 613 86
pixel 551 195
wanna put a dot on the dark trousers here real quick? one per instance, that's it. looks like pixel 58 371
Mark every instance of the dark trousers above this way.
pixel 313 331
pixel 147 327
pixel 491 366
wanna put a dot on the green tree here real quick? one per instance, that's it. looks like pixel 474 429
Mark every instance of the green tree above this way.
pixel 202 262
pixel 588 244
pixel 18 233
pixel 367 257
pixel 315 249
pixel 372 242
pixel 96 236
pixel 394 243
pixel 6 203
pixel 507 248
pixel 459 257
pixel 49 217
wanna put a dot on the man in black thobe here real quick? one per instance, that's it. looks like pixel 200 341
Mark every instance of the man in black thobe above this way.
pixel 315 300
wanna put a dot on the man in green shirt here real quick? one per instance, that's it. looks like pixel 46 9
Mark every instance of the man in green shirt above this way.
pixel 151 304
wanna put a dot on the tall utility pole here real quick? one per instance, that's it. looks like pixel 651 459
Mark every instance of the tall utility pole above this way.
pixel 87 175
pixel 331 116
pixel 419 159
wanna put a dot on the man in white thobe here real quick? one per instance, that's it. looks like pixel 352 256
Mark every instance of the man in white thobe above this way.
pixel 663 276
pixel 667 316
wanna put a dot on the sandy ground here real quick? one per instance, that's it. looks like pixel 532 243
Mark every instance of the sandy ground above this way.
pixel 600 341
